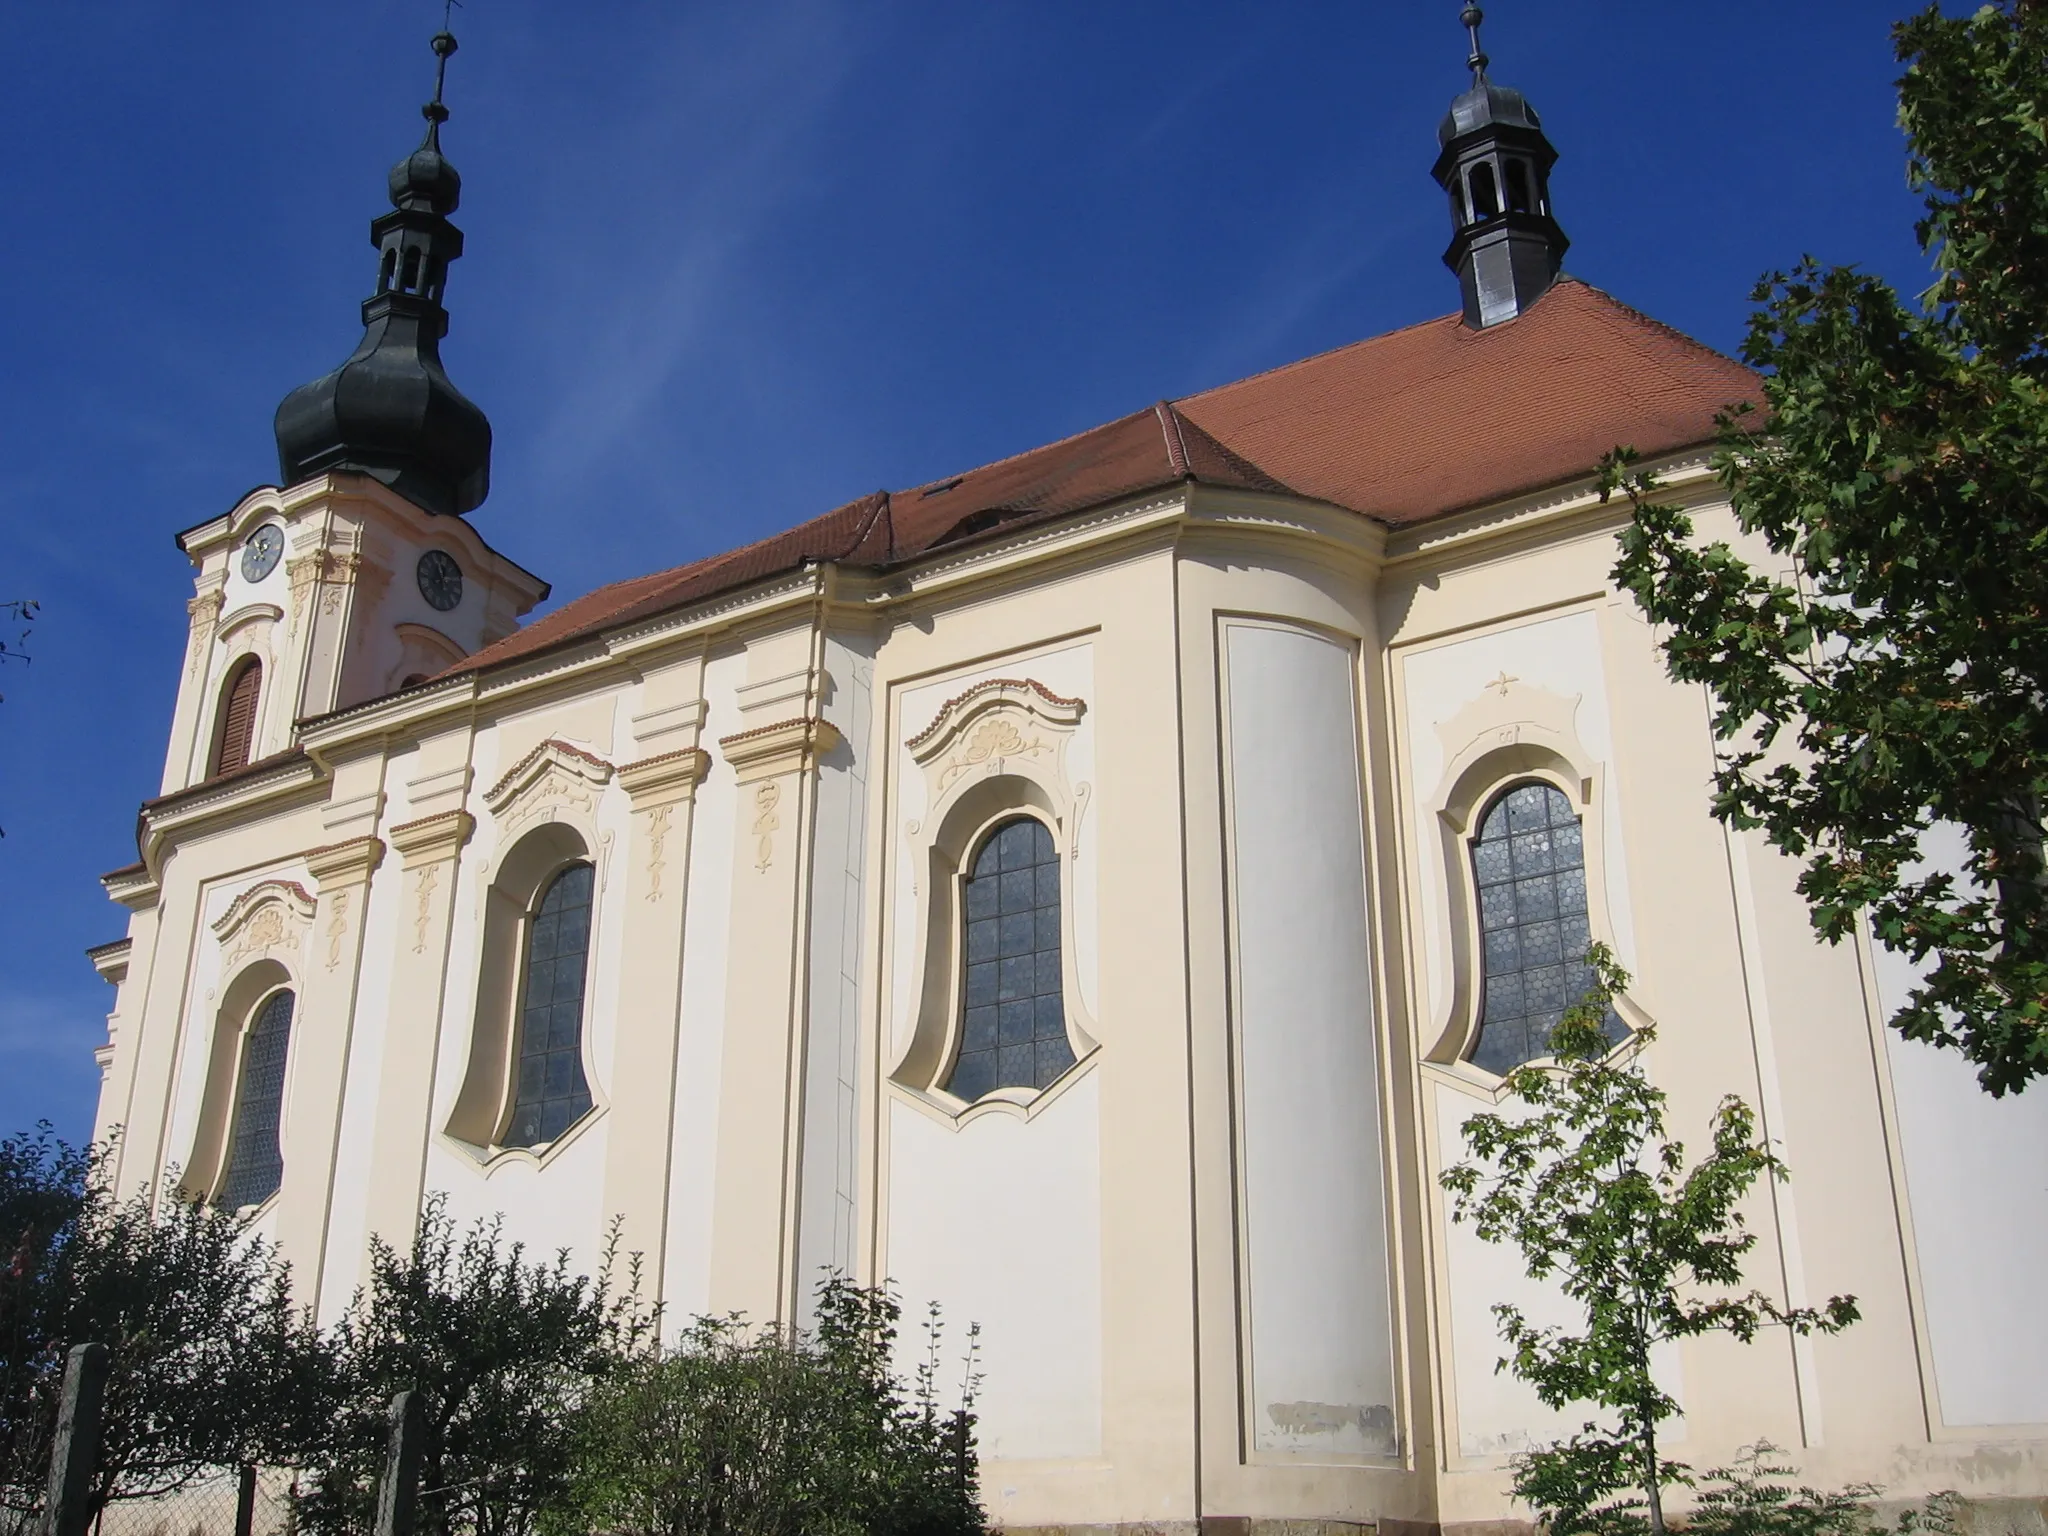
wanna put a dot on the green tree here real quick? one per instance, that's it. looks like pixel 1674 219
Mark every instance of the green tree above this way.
pixel 1583 1179
pixel 503 1348
pixel 209 1365
pixel 777 1433
pixel 1896 683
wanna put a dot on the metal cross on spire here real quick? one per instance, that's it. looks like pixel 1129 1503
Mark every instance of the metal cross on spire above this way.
pixel 443 44
pixel 1476 61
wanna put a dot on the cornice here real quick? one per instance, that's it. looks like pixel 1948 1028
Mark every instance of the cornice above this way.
pixel 349 863
pixel 134 887
pixel 163 818
pixel 1684 474
pixel 248 613
pixel 111 960
pixel 430 839
pixel 586 765
pixel 664 779
pixel 786 746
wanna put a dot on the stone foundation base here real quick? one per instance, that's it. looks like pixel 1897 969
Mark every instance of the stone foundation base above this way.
pixel 1974 1517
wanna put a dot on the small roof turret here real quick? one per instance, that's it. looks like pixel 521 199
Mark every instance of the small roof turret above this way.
pixel 1507 248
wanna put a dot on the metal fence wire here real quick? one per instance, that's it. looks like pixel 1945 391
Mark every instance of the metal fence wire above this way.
pixel 209 1506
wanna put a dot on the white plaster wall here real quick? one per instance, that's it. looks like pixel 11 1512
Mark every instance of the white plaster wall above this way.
pixel 1977 1185
pixel 1314 1202
pixel 1560 655
pixel 693 1140
pixel 1068 671
pixel 827 1209
pixel 999 1219
pixel 1497 1413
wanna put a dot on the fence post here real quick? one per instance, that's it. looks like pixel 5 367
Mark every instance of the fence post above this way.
pixel 398 1492
pixel 75 1454
pixel 245 1500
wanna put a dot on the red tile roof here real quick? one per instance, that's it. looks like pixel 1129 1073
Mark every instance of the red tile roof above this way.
pixel 1401 428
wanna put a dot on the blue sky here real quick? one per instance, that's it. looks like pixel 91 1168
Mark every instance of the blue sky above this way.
pixel 729 266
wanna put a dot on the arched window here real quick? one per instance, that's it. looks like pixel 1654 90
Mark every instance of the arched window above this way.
pixel 1013 1021
pixel 255 1157
pixel 238 717
pixel 1518 187
pixel 1529 865
pixel 552 1093
pixel 1485 193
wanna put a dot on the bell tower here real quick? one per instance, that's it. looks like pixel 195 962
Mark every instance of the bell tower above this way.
pixel 359 575
pixel 1507 248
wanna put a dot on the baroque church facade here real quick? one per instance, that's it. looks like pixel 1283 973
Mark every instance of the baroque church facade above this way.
pixel 1090 891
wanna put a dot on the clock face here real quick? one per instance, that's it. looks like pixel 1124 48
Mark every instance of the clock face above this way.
pixel 259 555
pixel 440 579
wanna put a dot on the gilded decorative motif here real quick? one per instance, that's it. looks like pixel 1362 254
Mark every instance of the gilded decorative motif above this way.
pixel 337 928
pixel 423 894
pixel 269 918
pixel 657 838
pixel 994 739
pixel 205 612
pixel 554 776
pixel 767 795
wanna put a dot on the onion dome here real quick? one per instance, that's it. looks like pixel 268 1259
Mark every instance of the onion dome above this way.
pixel 390 411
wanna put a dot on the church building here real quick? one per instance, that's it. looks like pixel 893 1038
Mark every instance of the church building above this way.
pixel 1090 890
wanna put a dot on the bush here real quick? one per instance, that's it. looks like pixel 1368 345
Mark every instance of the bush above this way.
pixel 503 1350
pixel 778 1433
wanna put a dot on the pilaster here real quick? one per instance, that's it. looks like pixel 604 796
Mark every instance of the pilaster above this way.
pixel 321 1035
pixel 203 611
pixel 429 848
pixel 639 1157
pixel 753 1206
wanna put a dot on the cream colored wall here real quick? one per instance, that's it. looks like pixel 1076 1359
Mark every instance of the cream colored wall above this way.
pixel 1213 1267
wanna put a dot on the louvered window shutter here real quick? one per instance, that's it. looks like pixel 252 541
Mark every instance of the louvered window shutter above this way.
pixel 238 722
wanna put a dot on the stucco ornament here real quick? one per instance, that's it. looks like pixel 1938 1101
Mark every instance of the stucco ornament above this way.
pixel 269 920
pixel 554 777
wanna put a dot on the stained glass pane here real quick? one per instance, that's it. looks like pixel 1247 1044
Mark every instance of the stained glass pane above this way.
pixel 1528 864
pixel 553 1092
pixel 1012 901
pixel 255 1155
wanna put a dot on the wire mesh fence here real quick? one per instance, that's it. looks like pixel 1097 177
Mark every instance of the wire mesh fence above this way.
pixel 209 1506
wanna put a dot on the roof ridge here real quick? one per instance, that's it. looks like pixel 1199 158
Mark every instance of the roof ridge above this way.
pixel 1652 321
pixel 1176 441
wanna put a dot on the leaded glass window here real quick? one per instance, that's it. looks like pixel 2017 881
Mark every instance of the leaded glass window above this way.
pixel 255 1157
pixel 1529 864
pixel 1014 1022
pixel 552 1092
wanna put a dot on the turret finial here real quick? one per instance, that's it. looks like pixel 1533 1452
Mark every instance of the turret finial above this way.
pixel 1477 60
pixel 443 45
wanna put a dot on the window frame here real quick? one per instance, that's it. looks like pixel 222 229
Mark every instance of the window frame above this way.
pixel 1510 735
pixel 245 1037
pixel 516 1028
pixel 512 886
pixel 243 663
pixel 242 1002
pixel 1079 1044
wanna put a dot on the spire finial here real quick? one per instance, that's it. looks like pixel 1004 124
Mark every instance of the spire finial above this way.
pixel 443 45
pixel 1476 61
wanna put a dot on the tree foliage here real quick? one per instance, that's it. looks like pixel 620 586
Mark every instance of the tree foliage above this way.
pixel 504 1350
pixel 209 1365
pixel 777 1433
pixel 1893 680
pixel 1582 1178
